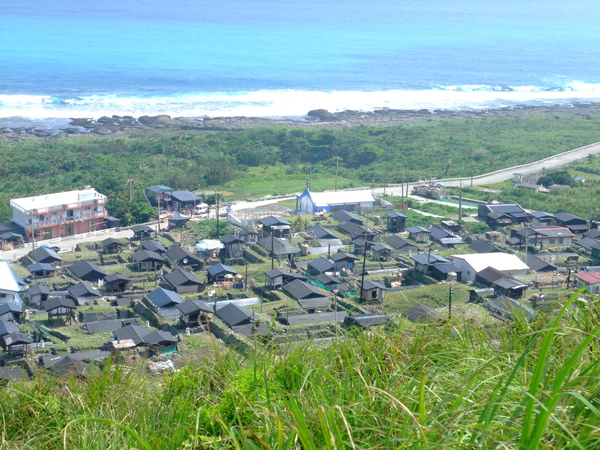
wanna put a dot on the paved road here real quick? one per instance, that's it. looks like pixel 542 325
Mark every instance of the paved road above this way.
pixel 488 178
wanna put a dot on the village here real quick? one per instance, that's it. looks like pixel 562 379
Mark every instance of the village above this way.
pixel 76 288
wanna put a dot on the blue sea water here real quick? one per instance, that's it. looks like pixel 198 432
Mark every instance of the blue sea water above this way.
pixel 195 58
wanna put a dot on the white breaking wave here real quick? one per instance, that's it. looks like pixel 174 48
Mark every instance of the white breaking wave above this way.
pixel 292 103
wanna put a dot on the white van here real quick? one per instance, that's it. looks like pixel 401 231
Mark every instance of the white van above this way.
pixel 201 209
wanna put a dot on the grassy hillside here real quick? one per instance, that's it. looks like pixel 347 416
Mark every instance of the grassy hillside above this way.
pixel 522 385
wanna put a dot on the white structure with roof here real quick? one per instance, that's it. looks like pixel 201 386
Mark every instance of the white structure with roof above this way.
pixel 471 265
pixel 61 214
pixel 311 202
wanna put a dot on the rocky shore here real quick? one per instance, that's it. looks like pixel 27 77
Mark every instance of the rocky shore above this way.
pixel 127 125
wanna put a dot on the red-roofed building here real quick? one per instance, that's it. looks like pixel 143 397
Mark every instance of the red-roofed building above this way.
pixel 590 280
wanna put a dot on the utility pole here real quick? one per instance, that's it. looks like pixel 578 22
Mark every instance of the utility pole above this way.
pixel 460 213
pixel 217 204
pixel 158 194
pixel 450 303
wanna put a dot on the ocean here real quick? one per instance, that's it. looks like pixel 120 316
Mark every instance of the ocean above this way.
pixel 261 58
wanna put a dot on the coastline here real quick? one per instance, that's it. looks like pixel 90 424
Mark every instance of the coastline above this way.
pixel 320 118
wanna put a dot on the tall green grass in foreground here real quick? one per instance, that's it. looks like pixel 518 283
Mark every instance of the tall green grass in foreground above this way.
pixel 523 385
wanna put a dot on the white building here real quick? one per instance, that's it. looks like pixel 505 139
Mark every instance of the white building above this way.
pixel 61 214
pixel 311 202
pixel 471 265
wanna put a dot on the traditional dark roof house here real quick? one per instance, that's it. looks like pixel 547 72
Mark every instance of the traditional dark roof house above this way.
pixel 160 341
pixel 11 311
pixel 324 236
pixel 111 245
pixel 220 272
pixel 538 264
pixel 590 244
pixel 446 272
pixel 247 234
pixel 16 344
pixel 184 258
pixel 347 216
pixel 37 294
pixel 372 291
pixel 543 236
pixel 117 282
pixel 319 266
pixel 184 201
pixel 594 233
pixel 59 308
pixel 355 230
pixel 574 223
pixel 87 271
pixel 276 278
pixel 242 320
pixel 343 260
pixel 104 326
pixel 177 222
pixel 132 332
pixel 45 255
pixel 481 246
pixel 424 261
pixel 381 252
pixel 501 283
pixel 7 327
pixel 183 281
pixel 142 231
pixel 194 313
pixel 419 234
pixel 499 214
pixel 309 297
pixel 146 260
pixel 68 365
pixel 163 298
pixel 542 218
pixel 279 248
pixel 84 293
pixel 396 222
pixel 444 237
pixel 41 270
pixel 153 246
pixel 234 247
pixel 400 245
pixel 275 225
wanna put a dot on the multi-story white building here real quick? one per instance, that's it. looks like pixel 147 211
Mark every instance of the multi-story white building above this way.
pixel 62 214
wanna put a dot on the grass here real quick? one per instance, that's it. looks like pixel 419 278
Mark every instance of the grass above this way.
pixel 521 385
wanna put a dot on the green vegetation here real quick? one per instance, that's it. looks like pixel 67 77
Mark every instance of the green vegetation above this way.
pixel 278 160
pixel 526 385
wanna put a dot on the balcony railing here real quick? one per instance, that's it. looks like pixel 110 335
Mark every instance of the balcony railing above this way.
pixel 68 220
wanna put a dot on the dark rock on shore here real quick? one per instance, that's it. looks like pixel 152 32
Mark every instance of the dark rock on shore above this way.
pixel 318 118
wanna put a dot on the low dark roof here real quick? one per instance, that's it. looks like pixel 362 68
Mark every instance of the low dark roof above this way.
pixel 58 302
pixel 568 217
pixel 397 242
pixel 508 307
pixel 44 254
pixel 481 246
pixel 446 268
pixel 537 264
pixel 381 247
pixel 230 239
pixel 234 315
pixel 328 280
pixel 40 267
pixel 243 231
pixel 7 327
pixel 86 269
pixel 415 230
pixel 395 215
pixel 588 243
pixel 153 246
pixel 84 290
pixel 38 289
pixel 67 364
pixel 354 229
pixel 273 273
pixel 104 326
pixel 177 253
pixel 133 332
pixel 340 256
pixel 302 290
pixel 219 269
pixel 343 216
pixel 116 277
pixel 158 188
pixel 307 319
pixel 320 232
pixel 16 338
pixel 278 246
pixel 182 277
pixel 111 241
pixel 185 196
pixel 320 265
pixel 141 229
pixel 272 221
pixel 159 337
pixel 193 307
pixel 368 285
pixel 146 255
pixel 161 297
pixel 11 307
pixel 426 258
pixel 542 215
